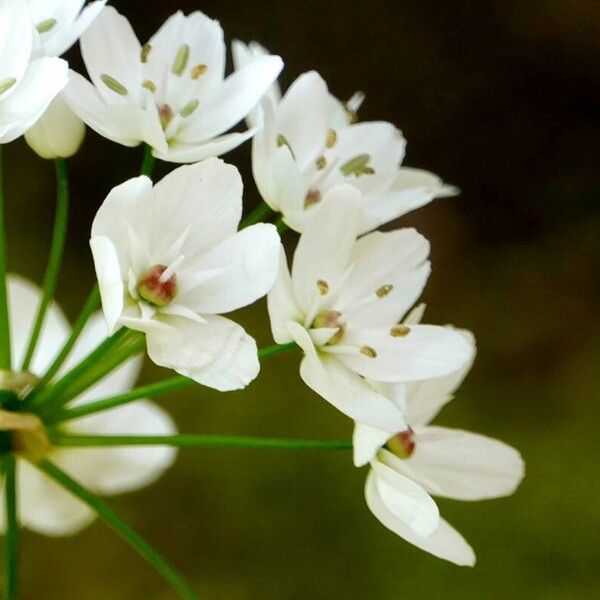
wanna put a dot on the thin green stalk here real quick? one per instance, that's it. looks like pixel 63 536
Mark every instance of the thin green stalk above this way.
pixel 196 441
pixel 55 259
pixel 148 391
pixel 120 527
pixel 48 394
pixel 91 304
pixel 260 213
pixel 5 362
pixel 12 527
pixel 148 162
pixel 281 226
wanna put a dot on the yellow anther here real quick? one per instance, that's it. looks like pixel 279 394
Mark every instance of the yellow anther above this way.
pixel 323 287
pixel 149 85
pixel 331 138
pixel 145 52
pixel 321 163
pixel 198 71
pixel 368 351
pixel 384 290
pixel 399 330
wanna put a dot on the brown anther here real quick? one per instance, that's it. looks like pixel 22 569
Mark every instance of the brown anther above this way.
pixel 323 287
pixel 369 351
pixel 384 290
pixel 321 163
pixel 399 330
pixel 198 71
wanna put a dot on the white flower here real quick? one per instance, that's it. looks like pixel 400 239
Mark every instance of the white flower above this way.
pixel 26 86
pixel 342 304
pixel 169 261
pixel 306 146
pixel 60 22
pixel 44 506
pixel 407 467
pixel 170 93
pixel 59 132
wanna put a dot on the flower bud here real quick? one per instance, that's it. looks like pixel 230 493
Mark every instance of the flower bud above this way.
pixel 58 133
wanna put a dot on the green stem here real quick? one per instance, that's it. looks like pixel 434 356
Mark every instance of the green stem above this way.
pixel 12 527
pixel 121 527
pixel 197 441
pixel 89 362
pixel 260 213
pixel 148 162
pixel 91 304
pixel 56 253
pixel 281 226
pixel 5 362
pixel 148 391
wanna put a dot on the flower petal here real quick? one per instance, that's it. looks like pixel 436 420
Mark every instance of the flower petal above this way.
pixel 218 353
pixel 445 542
pixel 248 263
pixel 366 443
pixel 464 466
pixel 16 38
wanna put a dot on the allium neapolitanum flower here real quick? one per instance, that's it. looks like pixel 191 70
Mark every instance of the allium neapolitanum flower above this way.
pixel 171 92
pixel 169 261
pixel 422 459
pixel 60 23
pixel 342 305
pixel 306 146
pixel 44 506
pixel 27 84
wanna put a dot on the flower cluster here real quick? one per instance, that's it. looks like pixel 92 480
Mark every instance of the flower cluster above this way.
pixel 172 258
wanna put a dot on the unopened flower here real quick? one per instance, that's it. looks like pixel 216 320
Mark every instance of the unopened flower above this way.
pixel 170 93
pixel 410 466
pixel 169 261
pixel 307 145
pixel 59 23
pixel 44 506
pixel 342 305
pixel 27 84
pixel 58 133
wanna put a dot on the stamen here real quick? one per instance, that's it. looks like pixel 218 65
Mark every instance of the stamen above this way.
pixel 313 197
pixel 331 138
pixel 45 26
pixel 149 85
pixel 384 290
pixel 282 141
pixel 112 84
pixel 323 287
pixel 359 165
pixel 145 52
pixel 198 71
pixel 368 351
pixel 6 84
pixel 181 60
pixel 189 108
pixel 170 270
pixel 321 163
pixel 400 330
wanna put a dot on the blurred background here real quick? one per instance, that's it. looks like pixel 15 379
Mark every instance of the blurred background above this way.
pixel 499 98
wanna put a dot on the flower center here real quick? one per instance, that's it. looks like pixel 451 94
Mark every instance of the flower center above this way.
pixel 402 444
pixel 158 285
pixel 330 319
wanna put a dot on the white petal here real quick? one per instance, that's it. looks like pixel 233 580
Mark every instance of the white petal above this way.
pixel 121 469
pixel 424 399
pixel 411 189
pixel 464 466
pixel 302 117
pixel 110 47
pixel 59 514
pixel 366 443
pixel 324 250
pixel 404 498
pixel 248 262
pixel 445 542
pixel 23 300
pixel 427 351
pixel 218 354
pixel 350 393
pixel 287 189
pixel 42 81
pixel 396 260
pixel 209 205
pixel 15 42
pixel 191 153
pixel 108 272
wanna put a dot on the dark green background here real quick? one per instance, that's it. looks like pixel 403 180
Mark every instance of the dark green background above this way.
pixel 501 99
